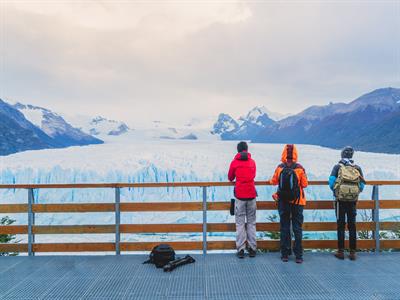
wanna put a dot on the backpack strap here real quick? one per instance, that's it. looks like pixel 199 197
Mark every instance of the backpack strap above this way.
pixel 292 166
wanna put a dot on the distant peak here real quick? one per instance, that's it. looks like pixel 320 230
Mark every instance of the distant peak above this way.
pixel 259 111
pixel 100 119
pixel 20 106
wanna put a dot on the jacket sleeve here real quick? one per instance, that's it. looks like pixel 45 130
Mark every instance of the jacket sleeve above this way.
pixel 333 177
pixel 275 177
pixel 362 182
pixel 332 180
pixel 362 186
pixel 303 179
pixel 232 171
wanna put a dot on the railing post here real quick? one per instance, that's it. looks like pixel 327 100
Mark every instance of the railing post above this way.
pixel 204 220
pixel 31 222
pixel 117 220
pixel 375 217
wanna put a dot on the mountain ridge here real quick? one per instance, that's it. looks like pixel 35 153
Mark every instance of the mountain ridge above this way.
pixel 55 126
pixel 360 122
pixel 18 133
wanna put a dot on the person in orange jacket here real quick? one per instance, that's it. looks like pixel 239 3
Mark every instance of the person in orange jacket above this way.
pixel 291 179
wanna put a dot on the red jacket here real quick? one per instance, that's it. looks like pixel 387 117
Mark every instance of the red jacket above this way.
pixel 243 168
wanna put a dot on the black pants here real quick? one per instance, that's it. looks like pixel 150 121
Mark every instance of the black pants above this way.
pixel 291 214
pixel 348 209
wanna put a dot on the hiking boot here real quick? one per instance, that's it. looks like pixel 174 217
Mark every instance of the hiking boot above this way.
pixel 240 254
pixel 299 260
pixel 252 253
pixel 339 254
pixel 285 258
pixel 353 255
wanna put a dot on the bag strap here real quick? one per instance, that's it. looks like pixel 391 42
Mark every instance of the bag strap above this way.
pixel 151 258
pixel 147 262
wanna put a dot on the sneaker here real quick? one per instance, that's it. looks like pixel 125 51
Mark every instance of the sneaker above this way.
pixel 240 254
pixel 284 258
pixel 252 253
pixel 299 260
pixel 353 255
pixel 339 254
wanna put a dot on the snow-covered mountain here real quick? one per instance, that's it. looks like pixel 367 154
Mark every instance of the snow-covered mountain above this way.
pixel 258 116
pixel 246 127
pixel 381 100
pixel 18 134
pixel 370 123
pixel 195 129
pixel 225 125
pixel 55 126
pixel 276 116
pixel 99 126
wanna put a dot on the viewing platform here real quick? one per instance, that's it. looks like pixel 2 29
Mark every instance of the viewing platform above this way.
pixel 214 276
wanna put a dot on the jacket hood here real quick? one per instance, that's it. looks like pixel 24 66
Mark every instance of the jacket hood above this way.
pixel 244 155
pixel 289 154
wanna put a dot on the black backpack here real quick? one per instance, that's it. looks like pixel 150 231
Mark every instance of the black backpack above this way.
pixel 289 189
pixel 161 255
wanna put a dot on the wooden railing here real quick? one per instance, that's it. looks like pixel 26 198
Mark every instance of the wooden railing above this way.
pixel 117 207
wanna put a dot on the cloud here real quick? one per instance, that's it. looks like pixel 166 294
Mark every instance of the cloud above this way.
pixel 176 60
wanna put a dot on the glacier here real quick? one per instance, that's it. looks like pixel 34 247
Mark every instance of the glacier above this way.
pixel 129 159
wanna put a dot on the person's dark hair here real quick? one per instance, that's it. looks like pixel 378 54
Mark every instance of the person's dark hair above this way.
pixel 242 146
pixel 347 152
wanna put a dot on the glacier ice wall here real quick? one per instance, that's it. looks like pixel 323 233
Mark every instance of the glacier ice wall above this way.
pixel 170 161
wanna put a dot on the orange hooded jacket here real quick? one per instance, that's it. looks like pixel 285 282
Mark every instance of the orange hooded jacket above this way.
pixel 290 156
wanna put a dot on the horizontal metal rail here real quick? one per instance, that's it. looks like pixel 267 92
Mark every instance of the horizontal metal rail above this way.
pixel 181 228
pixel 161 184
pixel 175 206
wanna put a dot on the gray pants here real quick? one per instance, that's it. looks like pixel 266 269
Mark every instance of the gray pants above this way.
pixel 245 210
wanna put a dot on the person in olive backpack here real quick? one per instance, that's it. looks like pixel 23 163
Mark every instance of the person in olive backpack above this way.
pixel 347 182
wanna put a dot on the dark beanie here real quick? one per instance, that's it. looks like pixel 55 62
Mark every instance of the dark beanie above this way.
pixel 347 152
pixel 242 146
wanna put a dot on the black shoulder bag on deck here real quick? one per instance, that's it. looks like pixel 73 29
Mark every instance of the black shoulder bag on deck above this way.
pixel 161 255
pixel 289 189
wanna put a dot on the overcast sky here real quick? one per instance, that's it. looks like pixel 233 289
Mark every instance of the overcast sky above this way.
pixel 175 60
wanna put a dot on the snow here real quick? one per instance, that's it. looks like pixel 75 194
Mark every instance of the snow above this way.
pixel 258 111
pixel 97 126
pixel 206 122
pixel 254 114
pixel 228 126
pixel 33 115
pixel 130 159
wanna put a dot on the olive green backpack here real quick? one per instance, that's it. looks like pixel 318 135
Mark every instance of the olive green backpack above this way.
pixel 347 185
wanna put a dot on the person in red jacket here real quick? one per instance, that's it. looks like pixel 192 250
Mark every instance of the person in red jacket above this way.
pixel 243 169
pixel 291 178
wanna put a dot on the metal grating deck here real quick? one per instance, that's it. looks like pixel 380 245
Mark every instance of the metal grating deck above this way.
pixel 217 276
